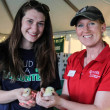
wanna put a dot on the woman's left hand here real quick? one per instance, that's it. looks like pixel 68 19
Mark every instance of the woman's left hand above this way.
pixel 29 100
pixel 29 104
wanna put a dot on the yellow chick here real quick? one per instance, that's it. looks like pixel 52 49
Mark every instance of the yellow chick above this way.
pixel 26 92
pixel 48 91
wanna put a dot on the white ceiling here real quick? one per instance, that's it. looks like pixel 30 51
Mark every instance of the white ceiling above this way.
pixel 61 13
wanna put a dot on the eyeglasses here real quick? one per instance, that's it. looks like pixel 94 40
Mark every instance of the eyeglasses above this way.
pixel 44 7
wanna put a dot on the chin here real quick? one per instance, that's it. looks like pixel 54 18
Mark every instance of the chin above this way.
pixel 34 40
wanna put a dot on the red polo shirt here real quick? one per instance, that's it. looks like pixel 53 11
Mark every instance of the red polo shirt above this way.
pixel 83 83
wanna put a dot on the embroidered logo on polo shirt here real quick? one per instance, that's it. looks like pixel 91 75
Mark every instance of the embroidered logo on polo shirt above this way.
pixel 94 74
pixel 71 73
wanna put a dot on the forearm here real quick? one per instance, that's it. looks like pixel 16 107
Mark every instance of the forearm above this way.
pixel 69 105
pixel 7 96
pixel 64 97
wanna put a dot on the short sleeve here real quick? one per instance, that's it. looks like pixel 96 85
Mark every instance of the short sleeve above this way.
pixel 70 61
pixel 105 82
pixel 67 69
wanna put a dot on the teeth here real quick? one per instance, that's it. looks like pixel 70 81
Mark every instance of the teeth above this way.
pixel 33 34
pixel 87 36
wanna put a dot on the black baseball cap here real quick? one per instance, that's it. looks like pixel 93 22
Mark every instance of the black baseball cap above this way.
pixel 90 12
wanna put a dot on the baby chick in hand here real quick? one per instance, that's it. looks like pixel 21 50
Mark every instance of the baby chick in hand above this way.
pixel 48 91
pixel 26 92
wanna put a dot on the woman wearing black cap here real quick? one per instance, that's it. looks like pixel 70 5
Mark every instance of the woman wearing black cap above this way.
pixel 87 75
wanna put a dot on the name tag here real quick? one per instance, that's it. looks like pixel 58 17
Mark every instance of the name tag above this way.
pixel 71 73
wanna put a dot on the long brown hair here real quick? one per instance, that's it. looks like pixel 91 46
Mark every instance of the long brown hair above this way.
pixel 43 47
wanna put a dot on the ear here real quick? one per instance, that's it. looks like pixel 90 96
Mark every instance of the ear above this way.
pixel 103 27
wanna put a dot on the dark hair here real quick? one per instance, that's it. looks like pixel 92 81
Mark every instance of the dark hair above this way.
pixel 43 47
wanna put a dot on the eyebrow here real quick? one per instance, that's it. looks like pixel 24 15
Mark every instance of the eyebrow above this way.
pixel 32 19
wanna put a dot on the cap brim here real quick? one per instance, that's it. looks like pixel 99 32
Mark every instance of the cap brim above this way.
pixel 90 16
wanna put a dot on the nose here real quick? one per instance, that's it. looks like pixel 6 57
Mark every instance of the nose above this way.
pixel 34 28
pixel 86 28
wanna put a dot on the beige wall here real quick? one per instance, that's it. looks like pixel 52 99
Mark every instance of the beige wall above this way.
pixel 72 44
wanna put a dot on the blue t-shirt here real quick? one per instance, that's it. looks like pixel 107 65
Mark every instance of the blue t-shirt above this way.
pixel 32 80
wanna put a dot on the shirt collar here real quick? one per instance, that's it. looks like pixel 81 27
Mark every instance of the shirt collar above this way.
pixel 104 53
pixel 102 56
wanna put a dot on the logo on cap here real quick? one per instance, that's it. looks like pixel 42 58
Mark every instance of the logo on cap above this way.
pixel 82 10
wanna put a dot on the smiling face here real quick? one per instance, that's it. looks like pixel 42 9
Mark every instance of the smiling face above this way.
pixel 90 32
pixel 32 28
